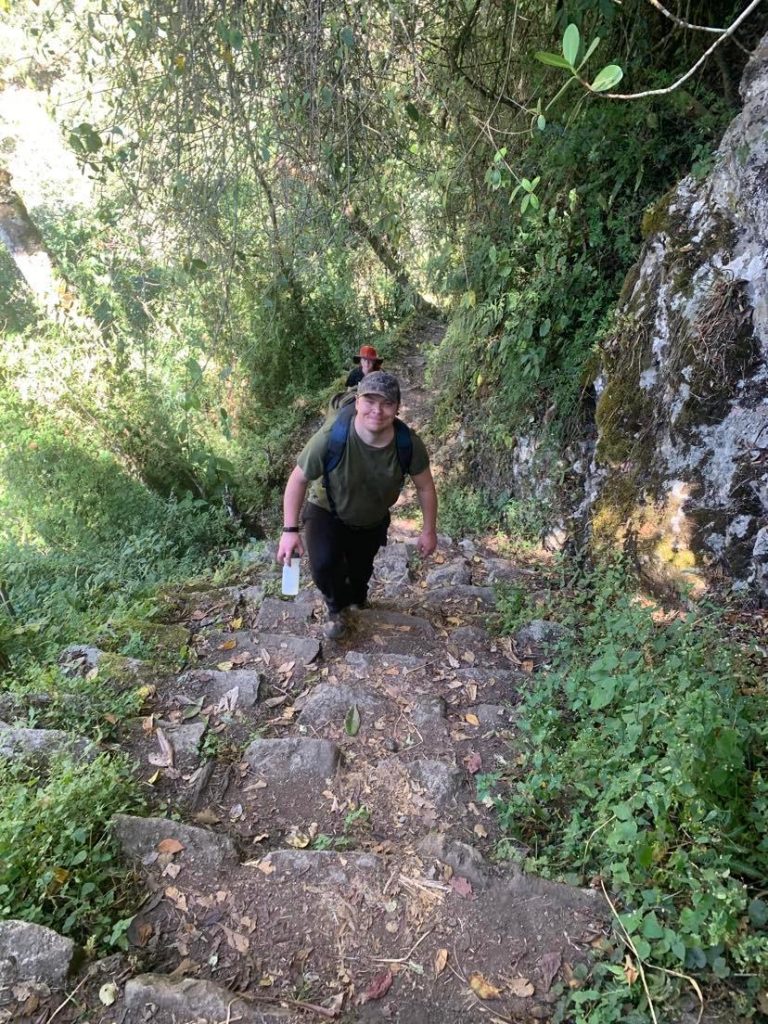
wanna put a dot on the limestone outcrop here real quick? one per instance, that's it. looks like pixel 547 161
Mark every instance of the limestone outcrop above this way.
pixel 681 464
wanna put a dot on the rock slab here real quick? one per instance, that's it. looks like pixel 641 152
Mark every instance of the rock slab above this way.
pixel 33 953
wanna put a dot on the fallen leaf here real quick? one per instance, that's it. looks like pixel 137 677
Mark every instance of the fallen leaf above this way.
pixel 207 817
pixel 228 645
pixel 441 959
pixel 527 665
pixel 108 993
pixel 286 668
pixel 471 718
pixel 631 973
pixel 461 886
pixel 238 942
pixel 298 840
pixel 473 762
pixel 275 702
pixel 184 967
pixel 172 870
pixel 266 867
pixel 521 987
pixel 377 988
pixel 225 666
pixel 197 614
pixel 169 846
pixel 352 721
pixel 177 898
pixel 144 933
pixel 472 691
pixel 469 657
pixel 236 623
pixel 453 662
pixel 480 831
pixel 153 778
pixel 482 988
pixel 148 724
pixel 260 838
pixel 549 965
pixel 266 981
pixel 242 657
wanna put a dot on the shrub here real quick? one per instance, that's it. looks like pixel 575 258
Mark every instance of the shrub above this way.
pixel 58 863
pixel 645 766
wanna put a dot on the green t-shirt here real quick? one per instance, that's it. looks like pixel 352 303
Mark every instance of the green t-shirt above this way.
pixel 367 481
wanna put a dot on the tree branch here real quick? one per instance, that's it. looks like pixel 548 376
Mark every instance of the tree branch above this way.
pixel 726 33
pixel 681 22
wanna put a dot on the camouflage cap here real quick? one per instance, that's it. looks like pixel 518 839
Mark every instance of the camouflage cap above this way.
pixel 380 383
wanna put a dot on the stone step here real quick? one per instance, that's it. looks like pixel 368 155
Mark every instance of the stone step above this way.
pixel 33 954
pixel 40 745
pixel 160 999
pixel 146 840
pixel 460 597
pixel 267 652
pixel 292 616
pixel 213 686
pixel 306 911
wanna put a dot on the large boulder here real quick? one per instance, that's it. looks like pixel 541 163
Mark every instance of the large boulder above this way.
pixel 681 471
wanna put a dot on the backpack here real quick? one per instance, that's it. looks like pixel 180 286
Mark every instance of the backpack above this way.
pixel 337 442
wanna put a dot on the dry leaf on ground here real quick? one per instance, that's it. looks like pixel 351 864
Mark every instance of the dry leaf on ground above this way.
pixel 170 846
pixel 482 988
pixel 377 988
pixel 461 886
pixel 441 959
pixel 228 645
pixel 521 987
pixel 631 973
pixel 473 762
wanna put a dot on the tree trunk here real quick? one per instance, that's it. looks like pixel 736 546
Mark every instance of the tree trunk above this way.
pixel 33 261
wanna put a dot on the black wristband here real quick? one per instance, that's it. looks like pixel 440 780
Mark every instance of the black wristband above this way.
pixel 291 529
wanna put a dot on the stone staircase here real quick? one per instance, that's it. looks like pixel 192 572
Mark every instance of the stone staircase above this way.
pixel 318 849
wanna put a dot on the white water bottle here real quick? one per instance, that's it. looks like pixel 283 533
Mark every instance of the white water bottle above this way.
pixel 291 577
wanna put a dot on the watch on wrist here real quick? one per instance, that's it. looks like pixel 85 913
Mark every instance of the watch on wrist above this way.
pixel 291 529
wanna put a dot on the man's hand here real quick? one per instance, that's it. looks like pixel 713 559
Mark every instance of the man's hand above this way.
pixel 427 542
pixel 290 546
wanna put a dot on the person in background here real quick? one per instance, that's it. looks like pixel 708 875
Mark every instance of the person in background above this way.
pixel 367 361
pixel 347 515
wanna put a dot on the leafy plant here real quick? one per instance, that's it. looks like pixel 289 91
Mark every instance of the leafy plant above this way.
pixel 59 865
pixel 645 766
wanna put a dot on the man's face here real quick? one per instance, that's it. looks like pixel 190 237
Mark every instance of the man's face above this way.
pixel 377 413
pixel 366 364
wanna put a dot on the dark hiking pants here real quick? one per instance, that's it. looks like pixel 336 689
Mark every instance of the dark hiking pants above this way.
pixel 341 557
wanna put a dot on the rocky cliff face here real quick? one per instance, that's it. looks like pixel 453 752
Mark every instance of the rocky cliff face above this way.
pixel 681 464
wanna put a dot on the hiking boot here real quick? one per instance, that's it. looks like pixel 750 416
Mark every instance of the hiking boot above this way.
pixel 334 628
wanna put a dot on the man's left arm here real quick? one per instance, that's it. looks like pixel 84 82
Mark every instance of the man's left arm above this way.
pixel 427 498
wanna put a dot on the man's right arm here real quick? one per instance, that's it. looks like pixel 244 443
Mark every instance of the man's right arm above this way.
pixel 291 545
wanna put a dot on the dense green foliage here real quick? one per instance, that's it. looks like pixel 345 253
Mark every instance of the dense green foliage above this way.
pixel 273 185
pixel 59 865
pixel 646 768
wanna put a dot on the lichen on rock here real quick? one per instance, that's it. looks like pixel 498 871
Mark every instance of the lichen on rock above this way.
pixel 682 413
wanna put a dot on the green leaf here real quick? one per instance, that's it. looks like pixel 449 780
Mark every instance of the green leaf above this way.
pixel 643 948
pixel 651 927
pixel 603 694
pixel 590 50
pixel 347 37
pixel 352 721
pixel 758 913
pixel 554 60
pixel 541 122
pixel 606 79
pixel 571 40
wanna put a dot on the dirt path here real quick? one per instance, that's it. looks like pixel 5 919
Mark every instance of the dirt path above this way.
pixel 319 850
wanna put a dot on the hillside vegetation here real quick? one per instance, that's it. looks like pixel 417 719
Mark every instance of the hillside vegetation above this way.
pixel 234 197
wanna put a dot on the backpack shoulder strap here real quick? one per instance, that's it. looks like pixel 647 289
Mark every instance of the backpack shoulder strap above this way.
pixel 337 442
pixel 404 445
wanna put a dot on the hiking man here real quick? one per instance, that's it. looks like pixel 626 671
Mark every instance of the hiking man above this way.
pixel 367 360
pixel 357 465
